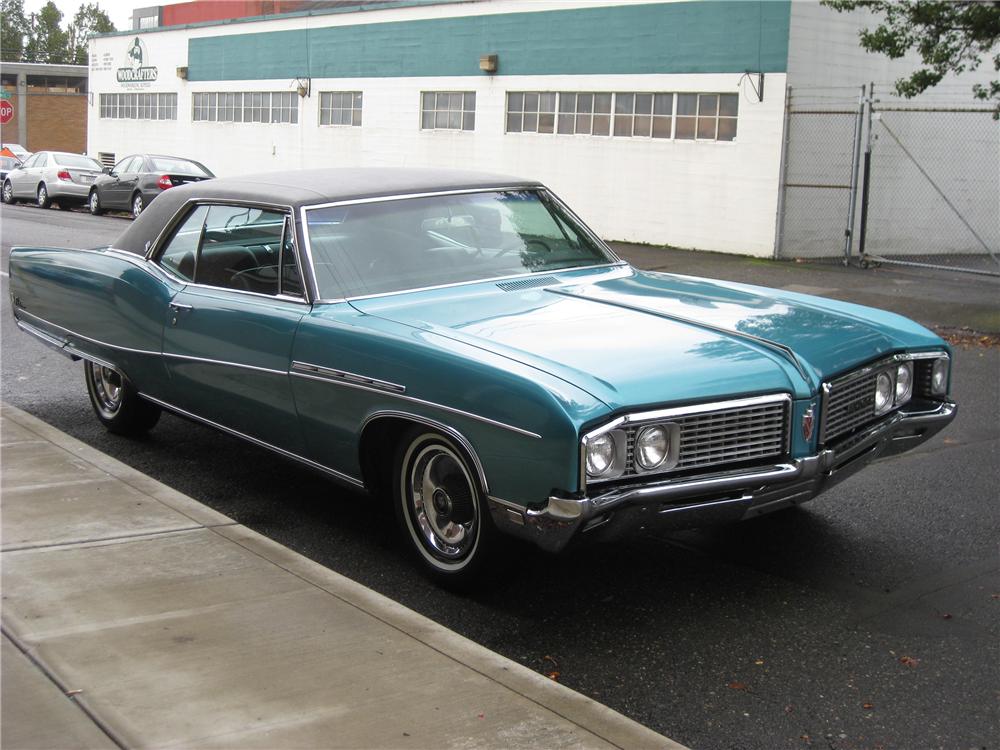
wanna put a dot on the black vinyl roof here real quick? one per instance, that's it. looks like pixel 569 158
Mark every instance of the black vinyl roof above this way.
pixel 307 187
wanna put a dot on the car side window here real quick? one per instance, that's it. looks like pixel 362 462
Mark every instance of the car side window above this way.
pixel 291 279
pixel 30 162
pixel 241 249
pixel 181 251
pixel 119 168
pixel 135 165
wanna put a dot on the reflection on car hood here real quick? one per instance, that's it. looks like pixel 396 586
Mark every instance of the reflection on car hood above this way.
pixel 634 338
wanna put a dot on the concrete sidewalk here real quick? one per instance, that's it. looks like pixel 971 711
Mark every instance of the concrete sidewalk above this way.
pixel 134 616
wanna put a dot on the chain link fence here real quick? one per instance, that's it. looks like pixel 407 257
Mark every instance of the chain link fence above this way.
pixel 819 161
pixel 935 189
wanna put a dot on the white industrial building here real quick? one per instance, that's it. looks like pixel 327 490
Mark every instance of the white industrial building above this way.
pixel 659 122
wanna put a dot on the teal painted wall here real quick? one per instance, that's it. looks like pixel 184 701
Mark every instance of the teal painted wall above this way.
pixel 728 36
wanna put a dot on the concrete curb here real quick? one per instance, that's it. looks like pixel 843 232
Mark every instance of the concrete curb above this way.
pixel 559 699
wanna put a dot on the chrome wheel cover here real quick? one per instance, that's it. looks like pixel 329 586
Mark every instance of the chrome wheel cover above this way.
pixel 8 192
pixel 95 202
pixel 137 205
pixel 442 510
pixel 43 195
pixel 109 389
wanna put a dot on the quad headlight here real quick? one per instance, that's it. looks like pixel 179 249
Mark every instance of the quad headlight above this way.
pixel 601 452
pixel 652 446
pixel 884 390
pixel 904 383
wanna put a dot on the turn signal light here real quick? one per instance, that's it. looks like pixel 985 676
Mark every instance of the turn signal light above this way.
pixel 164 182
pixel 63 174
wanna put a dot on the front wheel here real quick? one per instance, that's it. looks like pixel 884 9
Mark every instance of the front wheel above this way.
pixel 42 197
pixel 117 403
pixel 94 203
pixel 8 192
pixel 440 508
pixel 138 204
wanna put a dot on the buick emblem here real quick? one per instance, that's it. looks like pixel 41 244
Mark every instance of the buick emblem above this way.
pixel 808 420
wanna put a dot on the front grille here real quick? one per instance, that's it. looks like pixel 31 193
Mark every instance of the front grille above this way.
pixel 850 403
pixel 725 436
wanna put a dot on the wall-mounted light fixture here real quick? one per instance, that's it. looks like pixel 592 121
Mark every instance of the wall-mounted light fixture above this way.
pixel 303 86
pixel 488 63
pixel 182 72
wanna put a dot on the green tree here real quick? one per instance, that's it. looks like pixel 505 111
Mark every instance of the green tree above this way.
pixel 89 20
pixel 13 29
pixel 47 42
pixel 951 36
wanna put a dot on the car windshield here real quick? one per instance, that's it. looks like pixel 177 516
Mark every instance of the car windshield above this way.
pixel 393 245
pixel 177 166
pixel 76 162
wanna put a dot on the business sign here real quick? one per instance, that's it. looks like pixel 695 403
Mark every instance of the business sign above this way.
pixel 136 72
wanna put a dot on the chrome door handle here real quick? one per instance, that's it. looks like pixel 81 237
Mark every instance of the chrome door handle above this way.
pixel 178 307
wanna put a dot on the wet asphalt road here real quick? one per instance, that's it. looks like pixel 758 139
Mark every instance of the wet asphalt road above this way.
pixel 868 619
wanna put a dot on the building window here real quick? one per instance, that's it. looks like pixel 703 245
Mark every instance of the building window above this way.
pixel 245 106
pixel 531 112
pixel 709 117
pixel 706 117
pixel 584 113
pixel 644 115
pixel 448 110
pixel 340 108
pixel 138 106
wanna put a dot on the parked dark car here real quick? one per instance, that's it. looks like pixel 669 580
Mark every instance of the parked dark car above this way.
pixel 7 164
pixel 136 180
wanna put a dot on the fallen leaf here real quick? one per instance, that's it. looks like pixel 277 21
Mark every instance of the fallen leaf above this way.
pixel 946 616
pixel 789 709
pixel 909 661
pixel 482 716
pixel 552 675
pixel 737 686
pixel 759 662
pixel 867 706
pixel 73 692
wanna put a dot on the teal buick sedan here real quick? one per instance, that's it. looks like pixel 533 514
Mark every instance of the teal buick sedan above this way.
pixel 462 345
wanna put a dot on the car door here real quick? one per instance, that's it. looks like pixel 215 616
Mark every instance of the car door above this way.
pixel 228 335
pixel 25 181
pixel 115 192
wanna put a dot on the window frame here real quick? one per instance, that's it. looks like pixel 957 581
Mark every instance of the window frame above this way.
pixel 162 242
pixel 463 112
pixel 359 110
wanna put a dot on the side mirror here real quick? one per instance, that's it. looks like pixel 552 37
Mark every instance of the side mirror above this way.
pixel 106 170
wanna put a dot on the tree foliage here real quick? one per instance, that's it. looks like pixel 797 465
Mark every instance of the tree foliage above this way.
pixel 41 37
pixel 89 19
pixel 951 36
pixel 13 29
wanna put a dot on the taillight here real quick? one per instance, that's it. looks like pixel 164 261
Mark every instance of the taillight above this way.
pixel 164 182
pixel 63 174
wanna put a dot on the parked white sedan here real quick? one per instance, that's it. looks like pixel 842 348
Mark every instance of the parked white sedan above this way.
pixel 52 176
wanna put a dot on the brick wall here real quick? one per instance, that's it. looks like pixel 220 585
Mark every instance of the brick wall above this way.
pixel 56 122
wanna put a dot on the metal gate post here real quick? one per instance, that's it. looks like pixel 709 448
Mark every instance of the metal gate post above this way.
pixel 868 175
pixel 855 162
pixel 779 232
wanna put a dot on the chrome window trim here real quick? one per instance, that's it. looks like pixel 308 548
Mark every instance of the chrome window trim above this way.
pixel 156 246
pixel 450 431
pixel 324 373
pixel 353 481
pixel 363 386
pixel 656 415
pixel 307 243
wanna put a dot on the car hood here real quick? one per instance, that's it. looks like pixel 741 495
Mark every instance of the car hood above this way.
pixel 633 338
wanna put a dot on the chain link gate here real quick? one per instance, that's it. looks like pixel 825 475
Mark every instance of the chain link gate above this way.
pixel 935 189
pixel 819 180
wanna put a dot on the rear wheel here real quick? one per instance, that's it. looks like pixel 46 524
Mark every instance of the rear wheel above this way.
pixel 117 403
pixel 8 192
pixel 138 204
pixel 94 203
pixel 42 197
pixel 440 508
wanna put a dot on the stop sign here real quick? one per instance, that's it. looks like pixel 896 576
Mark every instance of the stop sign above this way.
pixel 6 111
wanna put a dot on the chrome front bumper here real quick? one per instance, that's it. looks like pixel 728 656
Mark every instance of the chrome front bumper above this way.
pixel 718 498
